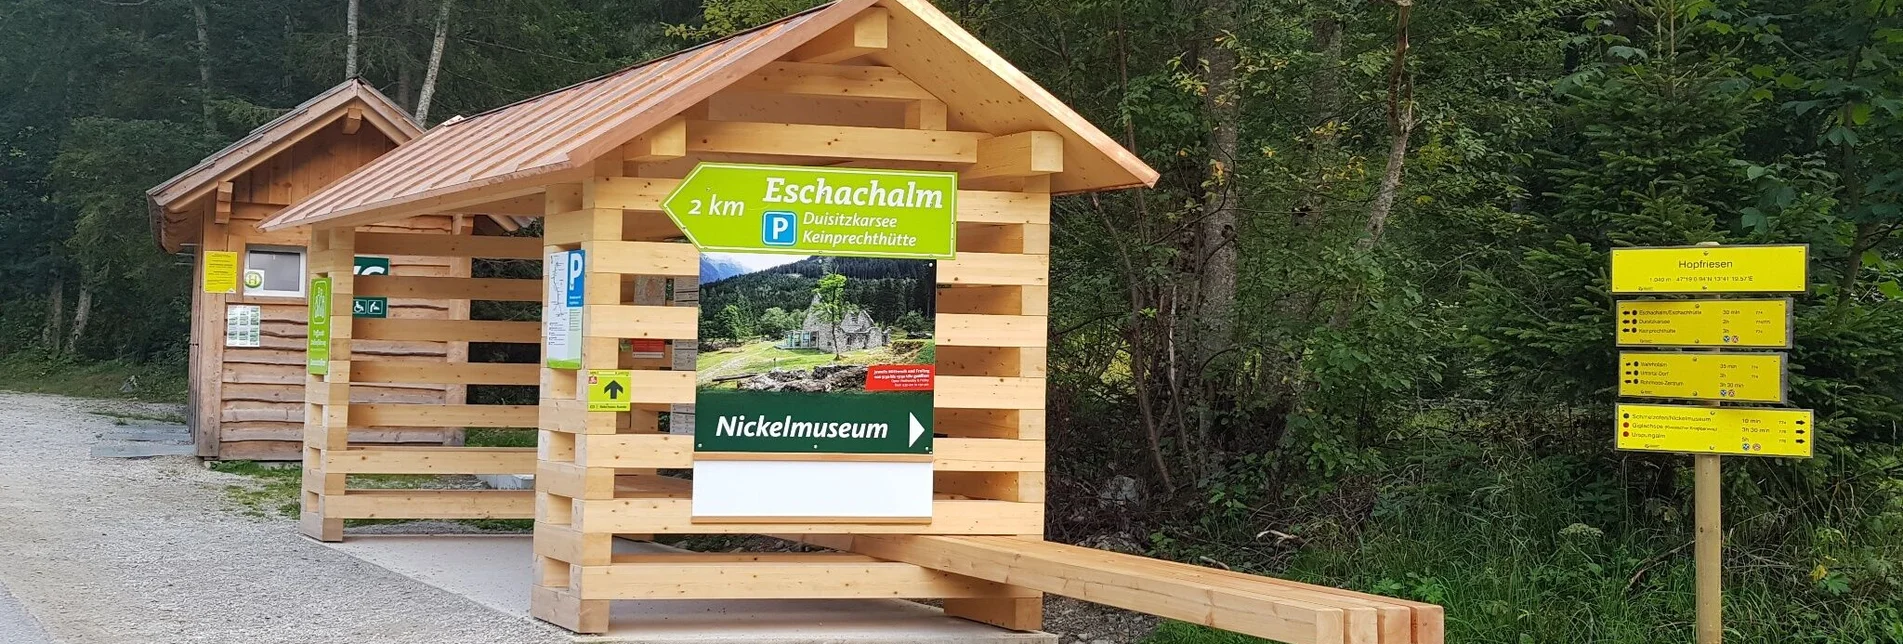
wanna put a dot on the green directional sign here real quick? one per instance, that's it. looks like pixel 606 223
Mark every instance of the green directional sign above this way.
pixel 799 210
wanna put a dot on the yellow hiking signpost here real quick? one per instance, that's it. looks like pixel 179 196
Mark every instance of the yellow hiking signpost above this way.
pixel 1755 324
pixel 1710 269
pixel 1734 377
pixel 1703 372
pixel 1715 430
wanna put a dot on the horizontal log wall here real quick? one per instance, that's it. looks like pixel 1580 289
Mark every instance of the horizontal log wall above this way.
pixel 370 357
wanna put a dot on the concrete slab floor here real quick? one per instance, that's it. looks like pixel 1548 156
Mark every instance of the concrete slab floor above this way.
pixel 497 570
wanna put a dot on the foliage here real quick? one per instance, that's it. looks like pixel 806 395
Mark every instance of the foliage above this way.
pixel 1407 399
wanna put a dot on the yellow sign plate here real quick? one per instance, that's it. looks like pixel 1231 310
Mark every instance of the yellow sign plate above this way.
pixel 1735 377
pixel 608 390
pixel 1715 430
pixel 1711 269
pixel 221 271
pixel 1762 324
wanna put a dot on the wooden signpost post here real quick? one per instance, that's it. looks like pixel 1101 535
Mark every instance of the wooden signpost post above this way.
pixel 1701 371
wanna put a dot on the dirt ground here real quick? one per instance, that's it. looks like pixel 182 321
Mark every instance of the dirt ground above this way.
pixel 154 551
pixel 150 551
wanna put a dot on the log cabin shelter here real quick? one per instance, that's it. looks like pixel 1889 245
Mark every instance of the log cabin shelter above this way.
pixel 868 84
pixel 246 368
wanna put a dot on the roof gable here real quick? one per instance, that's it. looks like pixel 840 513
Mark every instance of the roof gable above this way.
pixel 517 149
pixel 172 203
pixel 279 134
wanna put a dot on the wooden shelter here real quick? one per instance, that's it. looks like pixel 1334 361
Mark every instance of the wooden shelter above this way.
pixel 247 394
pixel 891 84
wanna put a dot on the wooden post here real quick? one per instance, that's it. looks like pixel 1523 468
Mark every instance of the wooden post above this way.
pixel 1709 548
pixel 327 397
pixel 1708 538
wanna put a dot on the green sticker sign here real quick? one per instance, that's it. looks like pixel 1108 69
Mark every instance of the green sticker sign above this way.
pixel 803 210
pixel 317 342
pixel 370 307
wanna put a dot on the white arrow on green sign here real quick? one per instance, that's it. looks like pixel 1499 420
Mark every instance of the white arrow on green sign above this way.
pixel 800 210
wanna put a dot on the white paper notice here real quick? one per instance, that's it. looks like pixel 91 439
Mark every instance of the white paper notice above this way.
pixel 244 324
pixel 561 311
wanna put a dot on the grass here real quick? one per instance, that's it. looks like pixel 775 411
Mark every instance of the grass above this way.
pixel 270 493
pixel 499 437
pixel 756 357
pixel 1534 557
pixel 107 379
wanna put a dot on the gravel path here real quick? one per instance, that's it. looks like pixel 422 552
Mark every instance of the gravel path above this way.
pixel 149 551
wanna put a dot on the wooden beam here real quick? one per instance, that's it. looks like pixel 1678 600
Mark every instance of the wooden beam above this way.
pixel 353 119
pixel 467 373
pixel 782 576
pixel 439 245
pixel 447 330
pixel 434 460
pixel 632 321
pixel 865 34
pixel 397 415
pixel 1134 583
pixel 833 81
pixel 450 288
pixel 666 259
pixel 431 504
pixel 666 141
pixel 1018 155
pixel 832 141
pixel 964 330
pixel 221 211
pixel 675 516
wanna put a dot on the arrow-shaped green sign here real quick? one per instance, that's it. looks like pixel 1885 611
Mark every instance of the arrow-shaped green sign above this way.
pixel 800 210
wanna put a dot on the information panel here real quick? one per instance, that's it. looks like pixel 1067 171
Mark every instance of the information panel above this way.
pixel 1764 324
pixel 1711 269
pixel 1734 377
pixel 1715 430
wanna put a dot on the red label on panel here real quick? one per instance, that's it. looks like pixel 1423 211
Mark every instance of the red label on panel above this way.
pixel 900 377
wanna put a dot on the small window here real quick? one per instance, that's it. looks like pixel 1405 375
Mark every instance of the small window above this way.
pixel 274 271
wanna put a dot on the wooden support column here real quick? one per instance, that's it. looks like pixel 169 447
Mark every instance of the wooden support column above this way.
pixel 561 483
pixel 327 397
pixel 993 326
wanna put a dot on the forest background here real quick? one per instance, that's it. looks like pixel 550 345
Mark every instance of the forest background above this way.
pixel 1359 333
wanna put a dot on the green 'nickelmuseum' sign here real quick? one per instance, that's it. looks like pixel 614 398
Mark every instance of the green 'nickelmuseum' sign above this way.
pixel 817 211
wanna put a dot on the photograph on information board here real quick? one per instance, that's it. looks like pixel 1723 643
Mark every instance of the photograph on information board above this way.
pixel 815 354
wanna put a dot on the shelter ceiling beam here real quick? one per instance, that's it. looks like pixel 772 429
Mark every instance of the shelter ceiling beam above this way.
pixel 1023 154
pixel 666 141
pixel 865 34
pixel 833 81
pixel 353 119
pixel 833 141
pixel 221 210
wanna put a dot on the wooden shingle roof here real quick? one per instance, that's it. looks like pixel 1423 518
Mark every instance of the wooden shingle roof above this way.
pixel 515 150
pixel 176 194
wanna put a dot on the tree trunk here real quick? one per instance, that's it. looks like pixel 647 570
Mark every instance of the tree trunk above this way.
pixel 81 313
pixel 1324 102
pixel 350 40
pixel 1400 126
pixel 204 66
pixel 55 314
pixel 1216 238
pixel 435 64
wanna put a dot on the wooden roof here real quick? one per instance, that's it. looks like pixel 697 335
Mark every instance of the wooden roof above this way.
pixel 516 150
pixel 167 200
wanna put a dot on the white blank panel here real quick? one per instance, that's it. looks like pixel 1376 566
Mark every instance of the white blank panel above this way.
pixel 818 489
